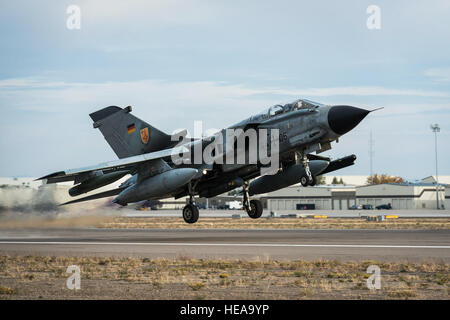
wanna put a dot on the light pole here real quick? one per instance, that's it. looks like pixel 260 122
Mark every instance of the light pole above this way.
pixel 436 129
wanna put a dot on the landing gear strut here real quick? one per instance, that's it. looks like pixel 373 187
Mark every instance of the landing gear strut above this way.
pixel 308 179
pixel 254 208
pixel 190 211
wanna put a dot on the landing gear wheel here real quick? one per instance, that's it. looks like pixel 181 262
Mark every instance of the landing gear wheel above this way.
pixel 314 181
pixel 190 213
pixel 256 209
pixel 304 181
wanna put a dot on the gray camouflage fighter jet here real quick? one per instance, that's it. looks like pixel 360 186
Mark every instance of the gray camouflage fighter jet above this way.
pixel 301 128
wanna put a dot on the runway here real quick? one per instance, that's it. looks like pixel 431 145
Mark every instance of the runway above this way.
pixel 344 245
pixel 208 213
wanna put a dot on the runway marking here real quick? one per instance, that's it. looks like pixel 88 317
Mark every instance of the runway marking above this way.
pixel 225 244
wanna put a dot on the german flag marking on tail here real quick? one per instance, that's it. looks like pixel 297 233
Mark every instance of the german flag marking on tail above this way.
pixel 131 128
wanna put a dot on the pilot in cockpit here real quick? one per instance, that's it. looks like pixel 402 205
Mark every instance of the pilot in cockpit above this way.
pixel 293 106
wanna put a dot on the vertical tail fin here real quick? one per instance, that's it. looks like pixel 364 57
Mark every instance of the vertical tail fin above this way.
pixel 126 134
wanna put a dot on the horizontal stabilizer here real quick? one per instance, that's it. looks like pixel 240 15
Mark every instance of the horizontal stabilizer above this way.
pixel 105 194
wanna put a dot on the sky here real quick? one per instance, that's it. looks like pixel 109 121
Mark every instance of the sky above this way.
pixel 219 62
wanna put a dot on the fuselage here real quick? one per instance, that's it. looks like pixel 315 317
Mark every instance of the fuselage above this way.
pixel 303 126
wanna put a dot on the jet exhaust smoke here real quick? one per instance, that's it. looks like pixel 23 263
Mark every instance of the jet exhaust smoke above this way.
pixel 22 206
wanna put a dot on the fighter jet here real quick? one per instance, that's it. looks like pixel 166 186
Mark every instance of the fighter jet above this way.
pixel 164 166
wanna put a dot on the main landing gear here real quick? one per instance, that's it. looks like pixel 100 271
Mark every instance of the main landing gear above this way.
pixel 308 179
pixel 190 211
pixel 254 208
pixel 306 182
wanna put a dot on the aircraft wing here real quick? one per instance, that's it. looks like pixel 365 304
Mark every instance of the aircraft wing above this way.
pixel 111 166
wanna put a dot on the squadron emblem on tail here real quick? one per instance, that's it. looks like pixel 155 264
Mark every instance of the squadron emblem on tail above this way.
pixel 144 135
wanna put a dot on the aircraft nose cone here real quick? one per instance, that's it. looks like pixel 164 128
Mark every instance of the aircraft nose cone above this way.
pixel 342 119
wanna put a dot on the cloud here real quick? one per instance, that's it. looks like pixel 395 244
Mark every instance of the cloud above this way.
pixel 198 100
pixel 438 74
pixel 32 92
pixel 150 13
pixel 410 109
pixel 360 91
pixel 44 95
pixel 163 101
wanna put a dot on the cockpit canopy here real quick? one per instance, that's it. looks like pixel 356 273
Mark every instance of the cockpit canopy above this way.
pixel 279 109
pixel 296 105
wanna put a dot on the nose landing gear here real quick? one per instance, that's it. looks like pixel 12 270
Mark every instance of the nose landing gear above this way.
pixel 254 208
pixel 308 179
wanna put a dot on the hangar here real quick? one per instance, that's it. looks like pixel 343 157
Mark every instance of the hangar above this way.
pixel 341 197
pixel 322 197
pixel 402 196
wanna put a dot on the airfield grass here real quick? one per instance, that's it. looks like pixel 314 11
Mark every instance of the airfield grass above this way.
pixel 277 223
pixel 40 277
pixel 118 222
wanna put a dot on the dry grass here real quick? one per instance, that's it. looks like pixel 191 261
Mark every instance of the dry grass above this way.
pixel 291 223
pixel 6 290
pixel 54 222
pixel 34 277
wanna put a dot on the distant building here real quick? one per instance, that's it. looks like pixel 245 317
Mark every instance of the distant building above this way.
pixel 323 197
pixel 341 197
pixel 432 179
pixel 401 196
pixel 362 180
pixel 24 182
pixel 447 197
